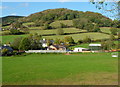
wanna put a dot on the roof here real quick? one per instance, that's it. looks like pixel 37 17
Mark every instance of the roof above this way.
pixel 7 47
pixel 94 44
pixel 80 48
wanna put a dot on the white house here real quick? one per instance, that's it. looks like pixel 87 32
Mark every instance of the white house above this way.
pixel 80 49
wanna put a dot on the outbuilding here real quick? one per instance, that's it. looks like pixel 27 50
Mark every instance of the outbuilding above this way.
pixel 80 49
pixel 95 47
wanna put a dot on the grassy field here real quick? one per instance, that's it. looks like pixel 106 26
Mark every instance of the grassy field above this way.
pixel 56 24
pixel 76 37
pixel 10 38
pixel 53 31
pixel 86 45
pixel 81 36
pixel 60 69
pixel 105 29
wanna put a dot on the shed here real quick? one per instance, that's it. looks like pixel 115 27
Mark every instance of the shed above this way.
pixel 80 49
pixel 95 47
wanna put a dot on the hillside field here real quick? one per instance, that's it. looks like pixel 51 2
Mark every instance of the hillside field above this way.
pixel 60 69
pixel 76 37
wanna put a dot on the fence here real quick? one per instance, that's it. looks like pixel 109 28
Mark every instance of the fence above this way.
pixel 45 51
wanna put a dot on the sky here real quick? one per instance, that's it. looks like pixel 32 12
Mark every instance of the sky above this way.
pixel 27 8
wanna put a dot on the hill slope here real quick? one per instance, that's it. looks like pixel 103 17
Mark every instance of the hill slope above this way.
pixel 51 15
pixel 9 19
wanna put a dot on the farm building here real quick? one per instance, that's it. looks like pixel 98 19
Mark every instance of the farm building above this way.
pixel 95 47
pixel 79 49
pixel 56 47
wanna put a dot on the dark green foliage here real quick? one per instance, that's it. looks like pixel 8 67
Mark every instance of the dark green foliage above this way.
pixel 16 43
pixel 108 45
pixel 66 14
pixel 89 27
pixel 114 31
pixel 69 40
pixel 60 31
pixel 24 44
pixel 119 34
pixel 80 42
pixel 47 26
pixel 112 37
pixel 63 25
pixel 87 40
pixel 116 24
pixel 35 43
pixel 9 19
pixel 4 52
pixel 57 41
pixel 15 31
pixel 96 28
pixel 80 23
pixel 18 28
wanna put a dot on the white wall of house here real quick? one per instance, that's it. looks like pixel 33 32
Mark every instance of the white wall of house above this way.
pixel 44 45
pixel 79 49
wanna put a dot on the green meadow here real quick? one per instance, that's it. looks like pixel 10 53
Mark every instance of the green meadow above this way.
pixel 60 69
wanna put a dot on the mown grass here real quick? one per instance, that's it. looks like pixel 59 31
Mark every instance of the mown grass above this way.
pixel 60 69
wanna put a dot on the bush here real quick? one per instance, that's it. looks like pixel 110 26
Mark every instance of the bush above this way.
pixel 80 42
pixel 60 31
pixel 87 40
pixel 4 52
pixel 15 31
pixel 5 33
pixel 114 31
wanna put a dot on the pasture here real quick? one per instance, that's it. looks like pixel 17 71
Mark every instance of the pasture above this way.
pixel 57 24
pixel 60 69
pixel 53 31
pixel 10 38
pixel 105 30
pixel 76 37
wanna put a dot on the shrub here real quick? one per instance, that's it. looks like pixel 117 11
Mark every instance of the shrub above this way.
pixel 87 40
pixel 15 31
pixel 4 52
pixel 60 31
pixel 114 31
pixel 80 42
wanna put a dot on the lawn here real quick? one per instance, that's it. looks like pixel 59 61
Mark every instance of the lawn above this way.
pixel 60 69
